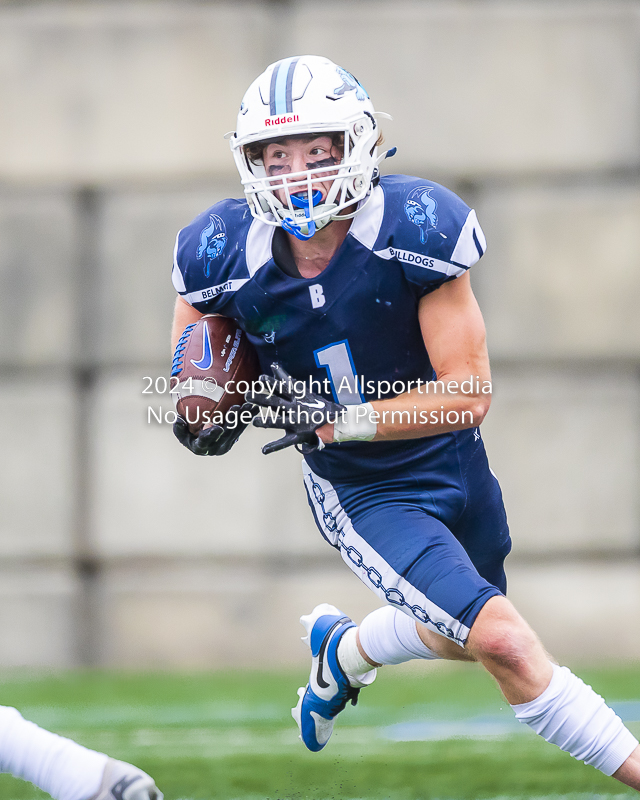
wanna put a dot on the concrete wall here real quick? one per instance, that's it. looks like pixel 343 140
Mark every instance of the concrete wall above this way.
pixel 119 547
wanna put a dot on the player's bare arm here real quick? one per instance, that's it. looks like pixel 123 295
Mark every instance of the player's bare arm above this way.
pixel 454 335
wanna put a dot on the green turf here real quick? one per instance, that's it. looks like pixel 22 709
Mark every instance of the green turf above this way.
pixel 229 735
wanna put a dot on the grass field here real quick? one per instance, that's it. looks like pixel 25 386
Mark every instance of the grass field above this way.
pixel 229 735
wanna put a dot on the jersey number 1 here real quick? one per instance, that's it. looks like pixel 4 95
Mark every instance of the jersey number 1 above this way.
pixel 338 361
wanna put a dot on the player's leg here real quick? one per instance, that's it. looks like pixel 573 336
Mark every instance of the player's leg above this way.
pixel 65 769
pixel 465 610
pixel 342 665
pixel 411 560
pixel 553 701
pixel 392 637
pixel 541 692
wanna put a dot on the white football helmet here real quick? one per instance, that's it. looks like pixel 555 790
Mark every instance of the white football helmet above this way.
pixel 307 95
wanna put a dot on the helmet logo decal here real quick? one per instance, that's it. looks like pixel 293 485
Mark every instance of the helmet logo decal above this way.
pixel 420 209
pixel 213 240
pixel 349 84
pixel 281 88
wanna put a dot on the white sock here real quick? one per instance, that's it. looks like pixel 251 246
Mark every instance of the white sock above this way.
pixel 357 669
pixel 61 767
pixel 572 716
pixel 388 636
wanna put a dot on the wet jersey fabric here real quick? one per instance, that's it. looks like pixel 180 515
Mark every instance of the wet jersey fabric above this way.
pixel 355 324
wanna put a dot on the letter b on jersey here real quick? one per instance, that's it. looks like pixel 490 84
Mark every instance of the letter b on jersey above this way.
pixel 317 295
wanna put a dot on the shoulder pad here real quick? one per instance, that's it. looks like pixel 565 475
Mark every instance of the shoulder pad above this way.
pixel 207 260
pixel 429 230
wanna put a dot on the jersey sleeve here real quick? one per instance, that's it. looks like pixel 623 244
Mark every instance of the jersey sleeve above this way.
pixel 207 265
pixel 435 236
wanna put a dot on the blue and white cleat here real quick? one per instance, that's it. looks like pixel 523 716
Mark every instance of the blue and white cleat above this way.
pixel 328 690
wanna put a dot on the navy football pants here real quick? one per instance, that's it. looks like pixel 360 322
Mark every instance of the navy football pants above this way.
pixel 431 541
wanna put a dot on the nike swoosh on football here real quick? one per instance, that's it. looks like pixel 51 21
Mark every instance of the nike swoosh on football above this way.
pixel 317 404
pixel 206 359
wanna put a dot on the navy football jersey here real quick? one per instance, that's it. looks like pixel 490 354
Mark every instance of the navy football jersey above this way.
pixel 355 324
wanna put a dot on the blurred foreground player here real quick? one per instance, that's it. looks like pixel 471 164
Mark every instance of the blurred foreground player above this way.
pixel 337 273
pixel 65 769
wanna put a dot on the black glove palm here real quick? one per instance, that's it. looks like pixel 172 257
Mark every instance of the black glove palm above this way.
pixel 300 415
pixel 216 440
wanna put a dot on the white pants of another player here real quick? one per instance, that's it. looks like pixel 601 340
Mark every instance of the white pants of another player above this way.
pixel 59 766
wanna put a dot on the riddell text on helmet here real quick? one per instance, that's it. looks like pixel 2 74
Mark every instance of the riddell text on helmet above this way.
pixel 281 120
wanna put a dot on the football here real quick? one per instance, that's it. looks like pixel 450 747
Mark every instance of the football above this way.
pixel 214 364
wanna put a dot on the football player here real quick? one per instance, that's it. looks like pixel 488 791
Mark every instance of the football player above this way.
pixel 65 769
pixel 358 285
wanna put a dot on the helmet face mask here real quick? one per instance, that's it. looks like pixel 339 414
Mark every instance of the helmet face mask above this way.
pixel 306 97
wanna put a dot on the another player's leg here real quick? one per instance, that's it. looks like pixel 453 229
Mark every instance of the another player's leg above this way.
pixel 65 769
